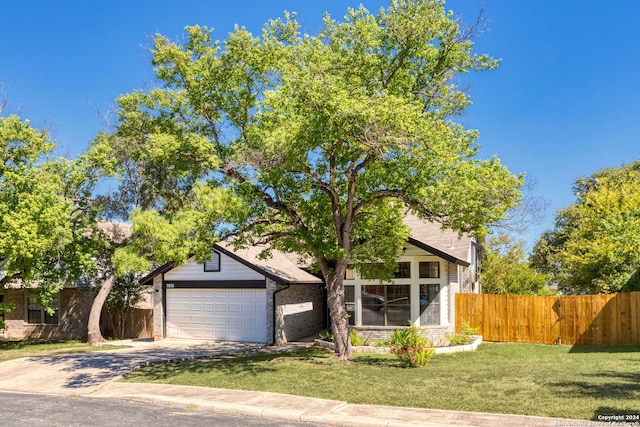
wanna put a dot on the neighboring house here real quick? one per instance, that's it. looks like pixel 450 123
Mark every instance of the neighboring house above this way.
pixel 237 296
pixel 30 321
pixel 71 305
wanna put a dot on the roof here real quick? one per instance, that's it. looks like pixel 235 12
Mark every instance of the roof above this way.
pixel 430 237
pixel 286 269
pixel 279 267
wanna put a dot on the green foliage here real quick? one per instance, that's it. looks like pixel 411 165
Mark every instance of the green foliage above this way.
pixel 48 232
pixel 413 349
pixel 505 269
pixel 462 336
pixel 595 245
pixel 325 335
pixel 356 339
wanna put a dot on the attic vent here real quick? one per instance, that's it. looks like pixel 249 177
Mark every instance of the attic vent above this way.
pixel 214 263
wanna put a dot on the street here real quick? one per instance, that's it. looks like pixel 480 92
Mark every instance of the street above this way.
pixel 52 411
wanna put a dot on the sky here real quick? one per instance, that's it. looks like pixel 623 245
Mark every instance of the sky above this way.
pixel 563 104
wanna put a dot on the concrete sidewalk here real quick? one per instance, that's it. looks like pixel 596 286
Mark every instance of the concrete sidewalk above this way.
pixel 306 409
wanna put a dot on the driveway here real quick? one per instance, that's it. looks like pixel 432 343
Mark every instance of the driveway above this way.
pixel 83 373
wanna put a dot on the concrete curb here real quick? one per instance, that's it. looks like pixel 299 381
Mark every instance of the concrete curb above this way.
pixel 305 409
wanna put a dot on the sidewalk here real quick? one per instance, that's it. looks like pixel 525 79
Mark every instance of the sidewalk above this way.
pixel 306 409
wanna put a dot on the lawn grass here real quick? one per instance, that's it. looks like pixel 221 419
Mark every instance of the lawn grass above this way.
pixel 16 349
pixel 529 379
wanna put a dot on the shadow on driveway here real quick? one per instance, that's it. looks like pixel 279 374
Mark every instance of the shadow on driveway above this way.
pixel 82 373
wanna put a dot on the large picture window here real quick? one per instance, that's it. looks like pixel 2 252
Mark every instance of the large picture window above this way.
pixel 37 314
pixel 386 305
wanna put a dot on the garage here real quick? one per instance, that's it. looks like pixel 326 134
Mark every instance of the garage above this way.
pixel 217 314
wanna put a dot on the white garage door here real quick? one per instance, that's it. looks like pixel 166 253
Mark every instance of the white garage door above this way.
pixel 217 314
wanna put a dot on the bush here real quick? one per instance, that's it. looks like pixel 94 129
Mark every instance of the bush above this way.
pixel 355 338
pixel 325 335
pixel 413 349
pixel 462 336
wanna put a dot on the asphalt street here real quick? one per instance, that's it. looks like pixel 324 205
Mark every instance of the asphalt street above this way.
pixel 31 410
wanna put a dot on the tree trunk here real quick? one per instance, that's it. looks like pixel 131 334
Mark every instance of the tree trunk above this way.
pixel 94 336
pixel 338 313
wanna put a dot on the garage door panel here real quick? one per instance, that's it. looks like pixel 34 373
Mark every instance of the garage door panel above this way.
pixel 218 314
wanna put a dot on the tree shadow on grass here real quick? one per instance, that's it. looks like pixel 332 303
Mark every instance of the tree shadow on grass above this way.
pixel 619 386
pixel 232 364
pixel 620 348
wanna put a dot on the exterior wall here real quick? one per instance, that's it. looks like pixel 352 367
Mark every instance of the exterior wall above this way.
pixel 230 269
pixel 372 333
pixel 73 315
pixel 414 255
pixel 158 308
pixel 299 313
pixel 269 321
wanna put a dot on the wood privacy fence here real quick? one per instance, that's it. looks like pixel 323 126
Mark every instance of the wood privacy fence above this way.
pixel 138 323
pixel 575 320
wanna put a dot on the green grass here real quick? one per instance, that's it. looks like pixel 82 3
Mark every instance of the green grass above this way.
pixel 554 381
pixel 16 349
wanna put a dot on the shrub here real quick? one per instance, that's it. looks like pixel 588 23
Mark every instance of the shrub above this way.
pixel 355 339
pixel 413 349
pixel 462 336
pixel 325 335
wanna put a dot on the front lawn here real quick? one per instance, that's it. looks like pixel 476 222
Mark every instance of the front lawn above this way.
pixel 16 349
pixel 554 381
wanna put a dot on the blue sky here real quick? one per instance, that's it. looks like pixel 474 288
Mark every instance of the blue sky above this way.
pixel 563 103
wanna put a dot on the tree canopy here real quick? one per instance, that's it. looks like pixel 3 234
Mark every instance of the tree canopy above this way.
pixel 315 144
pixel 46 220
pixel 506 269
pixel 595 245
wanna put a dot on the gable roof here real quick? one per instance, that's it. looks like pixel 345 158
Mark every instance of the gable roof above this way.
pixel 284 268
pixel 279 267
pixel 446 244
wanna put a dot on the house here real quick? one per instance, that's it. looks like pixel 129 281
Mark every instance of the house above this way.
pixel 29 320
pixel 238 296
pixel 71 305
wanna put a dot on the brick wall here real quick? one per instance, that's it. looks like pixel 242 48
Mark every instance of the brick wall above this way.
pixel 73 315
pixel 300 312
pixel 372 333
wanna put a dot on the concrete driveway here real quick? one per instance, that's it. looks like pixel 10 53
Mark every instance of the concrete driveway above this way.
pixel 83 373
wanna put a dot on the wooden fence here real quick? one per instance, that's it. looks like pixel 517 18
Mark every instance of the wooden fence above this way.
pixel 575 320
pixel 138 324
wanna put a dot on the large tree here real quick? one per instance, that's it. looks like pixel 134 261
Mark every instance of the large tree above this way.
pixel 46 218
pixel 321 143
pixel 595 245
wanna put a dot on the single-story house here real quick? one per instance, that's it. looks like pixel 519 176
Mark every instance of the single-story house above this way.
pixel 30 321
pixel 238 296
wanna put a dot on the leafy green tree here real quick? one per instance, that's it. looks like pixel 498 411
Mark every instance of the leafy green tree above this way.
pixel 46 218
pixel 317 145
pixel 506 270
pixel 595 245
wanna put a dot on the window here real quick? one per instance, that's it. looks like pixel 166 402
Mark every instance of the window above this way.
pixel 375 271
pixel 429 269
pixel 386 305
pixel 430 304
pixel 350 303
pixel 214 262
pixel 36 314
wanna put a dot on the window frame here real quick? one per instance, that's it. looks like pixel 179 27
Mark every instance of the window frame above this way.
pixel 45 317
pixel 209 266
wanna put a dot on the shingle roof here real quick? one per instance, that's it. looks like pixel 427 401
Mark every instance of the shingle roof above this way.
pixel 445 243
pixel 279 266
